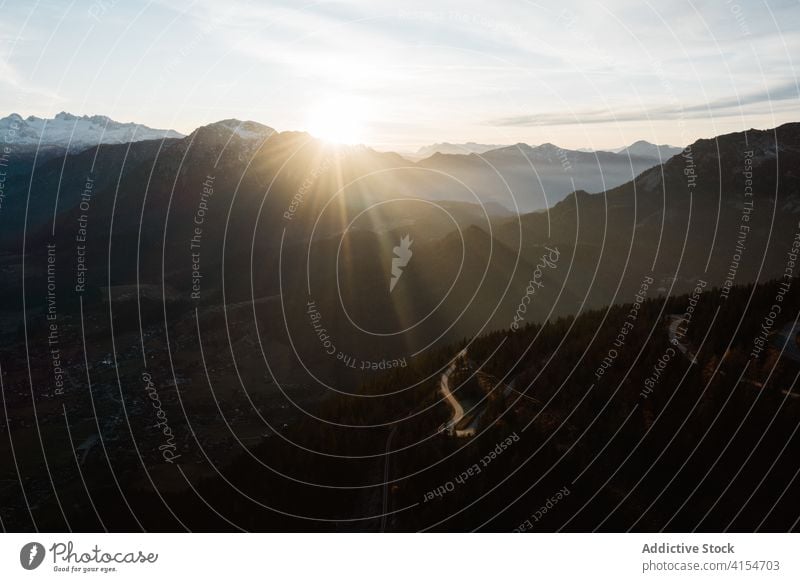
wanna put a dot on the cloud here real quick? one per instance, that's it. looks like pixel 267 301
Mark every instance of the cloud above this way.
pixel 453 69
pixel 715 108
pixel 8 75
pixel 18 92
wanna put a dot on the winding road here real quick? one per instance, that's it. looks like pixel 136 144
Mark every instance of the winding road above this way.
pixel 674 323
pixel 458 409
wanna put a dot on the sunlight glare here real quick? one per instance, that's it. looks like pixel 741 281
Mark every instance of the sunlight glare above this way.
pixel 338 120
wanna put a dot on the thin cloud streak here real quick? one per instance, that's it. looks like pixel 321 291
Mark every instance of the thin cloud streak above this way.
pixel 717 108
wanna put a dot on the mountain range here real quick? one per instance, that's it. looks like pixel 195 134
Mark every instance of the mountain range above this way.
pixel 519 178
pixel 310 214
pixel 454 148
pixel 247 273
pixel 640 148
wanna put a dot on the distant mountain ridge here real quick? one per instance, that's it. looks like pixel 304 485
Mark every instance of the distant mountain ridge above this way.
pixel 456 148
pixel 651 150
pixel 528 178
pixel 641 148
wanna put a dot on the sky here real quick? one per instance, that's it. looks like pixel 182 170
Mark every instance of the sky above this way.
pixel 399 75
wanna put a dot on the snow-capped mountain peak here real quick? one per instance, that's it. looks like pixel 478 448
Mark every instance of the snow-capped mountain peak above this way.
pixel 72 133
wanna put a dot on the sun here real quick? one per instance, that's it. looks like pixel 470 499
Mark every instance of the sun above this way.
pixel 337 119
